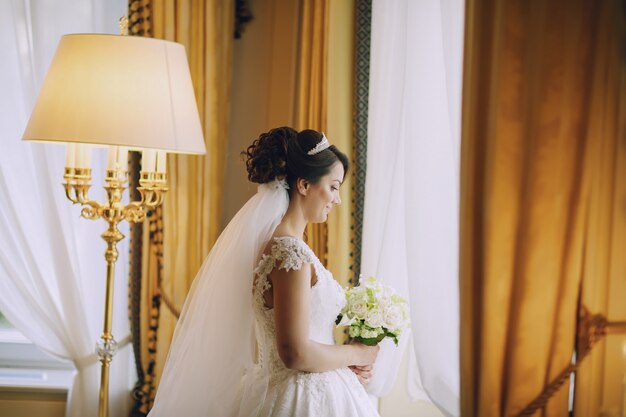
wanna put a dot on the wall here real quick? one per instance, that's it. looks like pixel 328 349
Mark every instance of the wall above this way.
pixel 15 402
pixel 263 86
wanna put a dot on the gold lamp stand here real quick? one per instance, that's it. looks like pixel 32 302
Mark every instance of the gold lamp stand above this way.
pixel 152 189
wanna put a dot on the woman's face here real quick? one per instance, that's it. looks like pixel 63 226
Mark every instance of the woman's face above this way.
pixel 321 197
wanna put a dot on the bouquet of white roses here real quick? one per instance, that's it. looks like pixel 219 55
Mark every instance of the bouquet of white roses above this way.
pixel 374 311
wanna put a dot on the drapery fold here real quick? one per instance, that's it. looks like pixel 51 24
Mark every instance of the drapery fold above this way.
pixel 312 91
pixel 410 229
pixel 535 94
pixel 52 269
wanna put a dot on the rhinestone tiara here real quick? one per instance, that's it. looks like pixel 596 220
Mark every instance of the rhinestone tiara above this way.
pixel 321 145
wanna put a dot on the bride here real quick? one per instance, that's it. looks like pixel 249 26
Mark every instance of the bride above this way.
pixel 255 334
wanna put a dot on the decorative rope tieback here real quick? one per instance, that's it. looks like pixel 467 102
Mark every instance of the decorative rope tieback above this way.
pixel 591 329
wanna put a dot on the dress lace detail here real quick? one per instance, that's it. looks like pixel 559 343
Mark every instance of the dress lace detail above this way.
pixel 289 252
pixel 292 392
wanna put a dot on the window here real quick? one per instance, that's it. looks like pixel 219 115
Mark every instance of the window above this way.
pixel 24 365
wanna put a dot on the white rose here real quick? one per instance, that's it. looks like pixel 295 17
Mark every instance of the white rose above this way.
pixel 393 317
pixel 374 318
pixel 356 293
pixel 389 292
pixel 358 308
pixel 385 302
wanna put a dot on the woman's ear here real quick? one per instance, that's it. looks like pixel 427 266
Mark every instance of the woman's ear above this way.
pixel 302 186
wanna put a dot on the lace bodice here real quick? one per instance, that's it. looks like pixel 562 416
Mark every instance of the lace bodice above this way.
pixel 327 299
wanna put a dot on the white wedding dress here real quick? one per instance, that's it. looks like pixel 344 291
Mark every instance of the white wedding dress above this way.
pixel 223 360
pixel 292 393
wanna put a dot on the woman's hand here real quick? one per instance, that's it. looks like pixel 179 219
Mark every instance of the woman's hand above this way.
pixel 363 373
pixel 365 355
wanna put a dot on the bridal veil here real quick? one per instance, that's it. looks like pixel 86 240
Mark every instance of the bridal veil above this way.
pixel 214 344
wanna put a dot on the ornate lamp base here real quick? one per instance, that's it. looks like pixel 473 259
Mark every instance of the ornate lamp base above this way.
pixel 152 188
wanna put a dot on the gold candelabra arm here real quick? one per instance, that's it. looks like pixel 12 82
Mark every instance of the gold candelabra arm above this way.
pixel 68 192
pixel 134 212
pixel 91 210
pixel 77 185
pixel 152 189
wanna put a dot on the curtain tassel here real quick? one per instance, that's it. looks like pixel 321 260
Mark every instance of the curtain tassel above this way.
pixel 591 329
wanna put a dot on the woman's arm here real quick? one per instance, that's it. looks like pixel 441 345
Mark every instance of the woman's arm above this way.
pixel 291 292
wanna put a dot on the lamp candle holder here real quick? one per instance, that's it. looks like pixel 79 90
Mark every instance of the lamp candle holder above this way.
pixel 77 183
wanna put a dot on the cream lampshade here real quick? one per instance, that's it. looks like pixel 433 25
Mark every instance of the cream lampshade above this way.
pixel 118 90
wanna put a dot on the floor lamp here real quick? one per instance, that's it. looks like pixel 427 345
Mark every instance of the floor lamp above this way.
pixel 125 93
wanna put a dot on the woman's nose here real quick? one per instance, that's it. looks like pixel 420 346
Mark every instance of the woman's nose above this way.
pixel 338 200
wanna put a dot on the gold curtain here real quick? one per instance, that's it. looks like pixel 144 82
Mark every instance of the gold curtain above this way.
pixel 192 209
pixel 311 92
pixel 537 148
pixel 339 130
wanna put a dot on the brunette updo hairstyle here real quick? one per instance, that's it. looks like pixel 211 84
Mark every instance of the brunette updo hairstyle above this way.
pixel 281 153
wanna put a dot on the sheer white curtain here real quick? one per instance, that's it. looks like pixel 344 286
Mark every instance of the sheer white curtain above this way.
pixel 52 266
pixel 410 232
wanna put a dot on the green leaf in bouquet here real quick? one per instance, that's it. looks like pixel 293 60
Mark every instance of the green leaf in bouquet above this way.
pixel 373 341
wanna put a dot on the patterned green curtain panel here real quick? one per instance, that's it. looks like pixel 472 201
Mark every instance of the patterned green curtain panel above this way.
pixel 363 27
